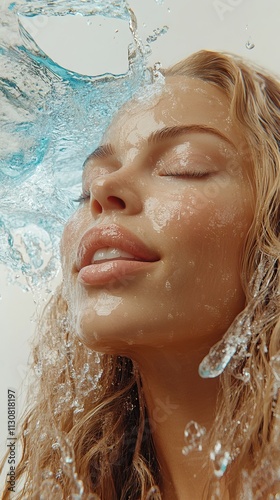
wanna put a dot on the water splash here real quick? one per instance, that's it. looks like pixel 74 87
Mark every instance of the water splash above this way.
pixel 220 459
pixel 156 33
pixel 52 118
pixel 233 347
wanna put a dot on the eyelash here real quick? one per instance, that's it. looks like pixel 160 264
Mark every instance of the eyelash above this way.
pixel 84 196
pixel 197 174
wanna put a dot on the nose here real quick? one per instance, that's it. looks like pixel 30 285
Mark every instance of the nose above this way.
pixel 113 192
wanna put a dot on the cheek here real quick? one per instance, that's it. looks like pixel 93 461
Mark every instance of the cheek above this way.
pixel 163 213
pixel 205 225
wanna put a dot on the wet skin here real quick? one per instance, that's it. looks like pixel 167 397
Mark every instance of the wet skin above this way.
pixel 175 177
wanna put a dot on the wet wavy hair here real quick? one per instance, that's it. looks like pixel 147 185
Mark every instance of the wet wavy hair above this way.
pixel 87 433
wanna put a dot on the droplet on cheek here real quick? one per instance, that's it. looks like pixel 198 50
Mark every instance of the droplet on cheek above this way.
pixel 161 215
pixel 168 285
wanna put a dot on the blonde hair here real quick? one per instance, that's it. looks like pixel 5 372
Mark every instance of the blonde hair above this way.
pixel 87 433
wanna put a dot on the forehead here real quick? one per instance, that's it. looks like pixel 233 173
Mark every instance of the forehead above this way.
pixel 178 101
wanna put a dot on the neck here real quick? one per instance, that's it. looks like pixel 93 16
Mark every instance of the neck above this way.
pixel 176 395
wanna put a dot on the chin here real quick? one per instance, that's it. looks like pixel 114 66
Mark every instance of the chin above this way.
pixel 102 327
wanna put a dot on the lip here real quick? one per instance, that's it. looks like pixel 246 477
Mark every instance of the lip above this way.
pixel 111 236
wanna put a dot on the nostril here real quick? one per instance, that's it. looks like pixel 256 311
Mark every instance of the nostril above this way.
pixel 97 207
pixel 116 202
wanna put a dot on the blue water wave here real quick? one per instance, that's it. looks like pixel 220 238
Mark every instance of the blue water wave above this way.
pixel 51 119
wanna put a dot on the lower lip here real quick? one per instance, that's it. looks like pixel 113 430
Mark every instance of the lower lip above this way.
pixel 111 271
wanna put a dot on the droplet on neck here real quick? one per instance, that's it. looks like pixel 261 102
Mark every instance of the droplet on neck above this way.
pixel 193 437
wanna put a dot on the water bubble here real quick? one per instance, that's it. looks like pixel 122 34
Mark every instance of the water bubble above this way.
pixel 193 437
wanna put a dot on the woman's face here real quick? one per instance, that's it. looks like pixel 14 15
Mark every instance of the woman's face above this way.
pixel 152 255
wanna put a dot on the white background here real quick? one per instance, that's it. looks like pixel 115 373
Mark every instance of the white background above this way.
pixel 193 25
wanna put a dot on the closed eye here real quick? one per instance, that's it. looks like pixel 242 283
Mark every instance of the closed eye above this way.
pixel 193 174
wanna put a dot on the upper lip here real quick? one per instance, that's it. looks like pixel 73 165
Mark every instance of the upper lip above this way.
pixel 111 236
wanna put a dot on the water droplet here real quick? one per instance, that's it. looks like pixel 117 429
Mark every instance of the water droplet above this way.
pixel 249 44
pixel 42 436
pixel 86 368
pixel 220 459
pixel 193 437
pixel 156 33
pixel 129 406
pixel 245 376
pixel 168 285
pixel 153 493
pixel 59 473
pixel 46 474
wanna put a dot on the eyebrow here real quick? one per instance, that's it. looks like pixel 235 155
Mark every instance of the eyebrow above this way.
pixel 171 132
pixel 107 150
